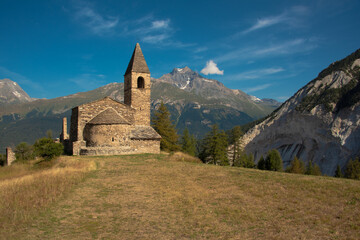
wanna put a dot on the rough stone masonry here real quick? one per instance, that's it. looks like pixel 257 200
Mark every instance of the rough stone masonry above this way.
pixel 109 127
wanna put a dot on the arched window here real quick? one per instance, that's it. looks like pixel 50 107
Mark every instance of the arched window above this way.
pixel 141 82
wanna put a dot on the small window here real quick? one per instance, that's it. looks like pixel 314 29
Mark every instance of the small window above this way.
pixel 113 139
pixel 141 82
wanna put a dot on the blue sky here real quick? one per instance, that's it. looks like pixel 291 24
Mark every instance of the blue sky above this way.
pixel 269 49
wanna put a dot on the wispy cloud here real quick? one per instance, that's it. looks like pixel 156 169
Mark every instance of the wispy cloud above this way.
pixel 266 22
pixel 147 28
pixel 258 73
pixel 96 23
pixel 22 80
pixel 88 81
pixel 211 68
pixel 257 88
pixel 291 17
pixel 283 48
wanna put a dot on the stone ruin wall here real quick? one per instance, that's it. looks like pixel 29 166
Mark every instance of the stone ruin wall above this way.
pixel 10 156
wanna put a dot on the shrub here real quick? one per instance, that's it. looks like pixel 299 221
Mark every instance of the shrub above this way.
pixel 261 163
pixel 47 148
pixel 24 152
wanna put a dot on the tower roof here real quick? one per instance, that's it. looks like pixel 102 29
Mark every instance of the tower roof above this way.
pixel 137 62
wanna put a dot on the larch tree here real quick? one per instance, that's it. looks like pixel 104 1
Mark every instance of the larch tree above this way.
pixel 188 143
pixel 165 128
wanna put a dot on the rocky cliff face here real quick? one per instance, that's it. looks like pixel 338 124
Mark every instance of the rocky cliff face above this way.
pixel 321 122
pixel 11 92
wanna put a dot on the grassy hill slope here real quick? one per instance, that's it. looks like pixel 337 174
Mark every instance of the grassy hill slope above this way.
pixel 152 197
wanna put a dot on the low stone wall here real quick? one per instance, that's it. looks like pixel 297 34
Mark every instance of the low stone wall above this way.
pixel 137 147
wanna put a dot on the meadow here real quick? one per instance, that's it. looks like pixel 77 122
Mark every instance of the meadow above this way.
pixel 171 197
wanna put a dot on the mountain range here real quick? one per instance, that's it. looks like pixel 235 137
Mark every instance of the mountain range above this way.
pixel 319 123
pixel 194 102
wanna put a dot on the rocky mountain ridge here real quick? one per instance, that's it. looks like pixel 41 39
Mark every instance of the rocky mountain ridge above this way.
pixel 321 122
pixel 11 92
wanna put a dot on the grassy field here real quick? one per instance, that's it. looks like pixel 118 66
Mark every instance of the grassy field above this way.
pixel 162 197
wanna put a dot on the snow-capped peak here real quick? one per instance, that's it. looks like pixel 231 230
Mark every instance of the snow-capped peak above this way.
pixel 255 99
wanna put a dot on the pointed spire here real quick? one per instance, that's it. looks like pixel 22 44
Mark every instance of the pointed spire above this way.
pixel 137 62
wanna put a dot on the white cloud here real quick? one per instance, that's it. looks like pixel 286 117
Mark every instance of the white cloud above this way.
pixel 155 38
pixel 160 24
pixel 257 88
pixel 97 23
pixel 211 68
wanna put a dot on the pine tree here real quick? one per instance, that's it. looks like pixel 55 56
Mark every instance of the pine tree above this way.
pixel 353 169
pixel 261 163
pixel 273 161
pixel 164 127
pixel 188 143
pixel 215 147
pixel 338 172
pixel 296 166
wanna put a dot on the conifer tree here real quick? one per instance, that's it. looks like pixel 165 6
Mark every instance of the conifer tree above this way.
pixel 338 172
pixel 296 166
pixel 215 147
pixel 164 127
pixel 235 139
pixel 188 143
pixel 313 169
pixel 353 169
pixel 273 161
pixel 261 163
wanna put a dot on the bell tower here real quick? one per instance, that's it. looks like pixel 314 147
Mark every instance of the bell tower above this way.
pixel 137 87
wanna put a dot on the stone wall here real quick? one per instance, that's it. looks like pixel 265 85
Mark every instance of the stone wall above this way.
pixel 146 146
pixel 82 114
pixel 107 135
pixel 10 156
pixel 135 147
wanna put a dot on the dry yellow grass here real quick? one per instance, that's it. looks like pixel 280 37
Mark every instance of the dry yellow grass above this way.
pixel 183 157
pixel 26 188
pixel 150 197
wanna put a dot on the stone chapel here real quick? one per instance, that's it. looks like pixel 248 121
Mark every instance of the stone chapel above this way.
pixel 109 127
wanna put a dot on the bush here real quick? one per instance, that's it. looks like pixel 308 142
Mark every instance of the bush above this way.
pixel 24 152
pixel 2 159
pixel 47 148
pixel 338 172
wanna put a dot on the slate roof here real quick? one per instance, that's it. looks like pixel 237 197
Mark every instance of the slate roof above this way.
pixel 137 62
pixel 107 117
pixel 144 133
